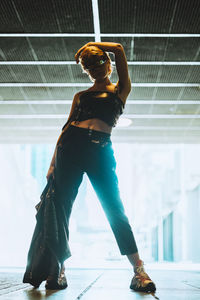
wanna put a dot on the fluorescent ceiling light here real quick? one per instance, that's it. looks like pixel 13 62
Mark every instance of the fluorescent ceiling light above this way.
pixel 72 84
pixel 38 116
pixel 132 116
pixel 124 122
pixel 165 84
pixel 27 128
pixel 128 102
pixel 167 35
pixel 162 116
pixel 162 102
pixel 47 35
pixel 36 102
pixel 45 84
pixel 161 128
pixel 64 62
pixel 132 128
pixel 165 63
pixel 130 63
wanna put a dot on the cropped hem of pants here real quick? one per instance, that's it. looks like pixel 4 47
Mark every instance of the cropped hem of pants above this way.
pixel 82 150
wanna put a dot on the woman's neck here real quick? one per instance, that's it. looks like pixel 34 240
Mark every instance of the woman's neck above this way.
pixel 101 83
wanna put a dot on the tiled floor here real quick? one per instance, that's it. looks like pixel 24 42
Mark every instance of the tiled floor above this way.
pixel 105 284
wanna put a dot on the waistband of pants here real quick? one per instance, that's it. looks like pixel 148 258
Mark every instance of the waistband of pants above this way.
pixel 90 133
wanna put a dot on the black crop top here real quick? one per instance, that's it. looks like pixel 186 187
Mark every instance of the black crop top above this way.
pixel 107 109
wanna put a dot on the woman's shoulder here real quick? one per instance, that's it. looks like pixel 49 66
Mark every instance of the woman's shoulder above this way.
pixel 79 94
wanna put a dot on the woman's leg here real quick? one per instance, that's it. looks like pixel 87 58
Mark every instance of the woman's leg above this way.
pixel 102 174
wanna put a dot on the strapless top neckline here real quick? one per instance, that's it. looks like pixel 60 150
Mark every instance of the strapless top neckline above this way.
pixel 87 92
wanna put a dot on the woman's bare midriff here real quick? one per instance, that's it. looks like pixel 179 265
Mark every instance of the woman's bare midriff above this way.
pixel 95 124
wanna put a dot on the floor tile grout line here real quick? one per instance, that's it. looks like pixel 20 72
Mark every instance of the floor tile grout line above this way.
pixel 14 285
pixel 88 287
pixel 9 292
pixel 196 287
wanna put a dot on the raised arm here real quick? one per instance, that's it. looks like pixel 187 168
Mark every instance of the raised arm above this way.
pixel 124 82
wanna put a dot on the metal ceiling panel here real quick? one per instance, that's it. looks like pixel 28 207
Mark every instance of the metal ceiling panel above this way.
pixel 28 123
pixel 73 73
pixel 15 49
pixel 38 93
pixel 59 93
pixel 166 49
pixel 164 93
pixel 7 93
pixel 49 109
pixel 185 12
pixel 183 49
pixel 61 49
pixel 144 16
pixel 65 93
pixel 163 122
pixel 20 74
pixel 42 74
pixel 165 74
pixel 40 48
pixel 58 122
pixel 160 109
pixel 28 109
pixel 159 49
pixel 46 16
pixel 134 16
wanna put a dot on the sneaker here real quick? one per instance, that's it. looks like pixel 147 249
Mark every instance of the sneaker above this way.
pixel 57 283
pixel 141 282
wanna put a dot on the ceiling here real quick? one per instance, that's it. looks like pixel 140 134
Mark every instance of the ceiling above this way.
pixel 39 76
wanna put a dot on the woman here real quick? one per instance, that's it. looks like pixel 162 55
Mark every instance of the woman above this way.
pixel 85 146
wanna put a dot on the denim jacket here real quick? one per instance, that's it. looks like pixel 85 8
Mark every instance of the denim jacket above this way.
pixel 49 241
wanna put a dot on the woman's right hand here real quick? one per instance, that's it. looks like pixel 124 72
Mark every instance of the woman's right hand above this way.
pixel 50 172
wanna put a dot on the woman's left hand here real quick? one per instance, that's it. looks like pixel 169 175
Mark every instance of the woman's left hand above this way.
pixel 50 172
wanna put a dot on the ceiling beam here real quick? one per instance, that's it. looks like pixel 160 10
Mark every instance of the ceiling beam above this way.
pixel 96 22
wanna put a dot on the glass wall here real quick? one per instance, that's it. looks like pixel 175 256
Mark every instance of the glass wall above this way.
pixel 159 186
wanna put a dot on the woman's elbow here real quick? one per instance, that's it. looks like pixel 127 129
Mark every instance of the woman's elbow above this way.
pixel 119 47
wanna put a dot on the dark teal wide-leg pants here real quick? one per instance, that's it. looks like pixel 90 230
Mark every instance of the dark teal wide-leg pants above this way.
pixel 85 150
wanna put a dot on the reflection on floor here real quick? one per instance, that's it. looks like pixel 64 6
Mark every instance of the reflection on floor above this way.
pixel 106 284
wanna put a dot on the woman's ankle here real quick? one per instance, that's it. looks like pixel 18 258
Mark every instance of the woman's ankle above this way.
pixel 134 259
